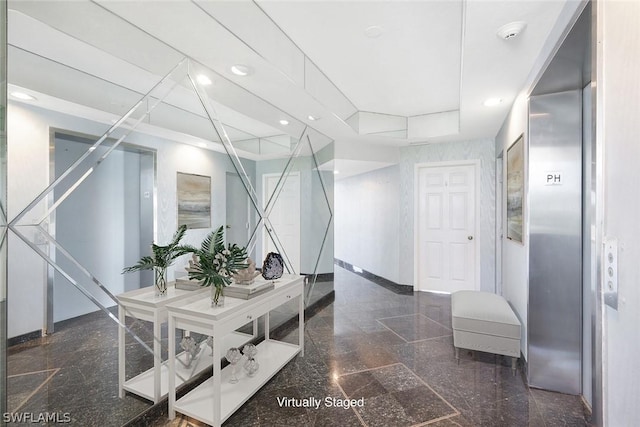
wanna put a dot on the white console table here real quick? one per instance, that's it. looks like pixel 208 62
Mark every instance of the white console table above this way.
pixel 215 400
pixel 144 304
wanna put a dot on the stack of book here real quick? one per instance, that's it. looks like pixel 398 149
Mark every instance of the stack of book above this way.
pixel 187 284
pixel 248 291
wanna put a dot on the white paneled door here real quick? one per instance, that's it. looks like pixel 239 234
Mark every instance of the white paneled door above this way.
pixel 446 241
pixel 284 218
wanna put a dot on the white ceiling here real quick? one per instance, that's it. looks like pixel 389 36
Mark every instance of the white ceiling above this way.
pixel 431 68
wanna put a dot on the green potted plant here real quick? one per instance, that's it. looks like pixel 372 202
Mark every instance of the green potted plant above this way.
pixel 216 264
pixel 162 257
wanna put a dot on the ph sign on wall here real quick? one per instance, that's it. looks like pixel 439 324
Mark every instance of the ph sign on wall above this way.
pixel 553 178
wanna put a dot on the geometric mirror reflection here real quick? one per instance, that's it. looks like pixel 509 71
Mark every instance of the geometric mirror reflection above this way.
pixel 110 196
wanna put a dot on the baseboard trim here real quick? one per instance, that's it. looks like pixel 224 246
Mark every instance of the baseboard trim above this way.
pixel 320 277
pixel 380 281
pixel 20 339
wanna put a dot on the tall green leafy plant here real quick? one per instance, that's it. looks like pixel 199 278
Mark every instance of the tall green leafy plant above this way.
pixel 217 263
pixel 162 257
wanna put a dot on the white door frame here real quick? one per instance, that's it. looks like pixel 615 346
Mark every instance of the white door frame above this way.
pixel 476 167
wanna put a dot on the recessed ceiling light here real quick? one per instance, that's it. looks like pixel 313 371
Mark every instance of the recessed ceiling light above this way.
pixel 203 79
pixel 241 70
pixel 23 96
pixel 284 122
pixel 492 102
pixel 313 118
pixel 373 32
pixel 511 30
pixel 336 172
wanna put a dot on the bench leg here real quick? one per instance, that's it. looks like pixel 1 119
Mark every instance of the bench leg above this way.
pixel 514 363
pixel 457 355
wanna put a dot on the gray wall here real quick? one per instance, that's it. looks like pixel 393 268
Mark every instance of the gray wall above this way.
pixel 368 221
pixel 99 224
pixel 515 256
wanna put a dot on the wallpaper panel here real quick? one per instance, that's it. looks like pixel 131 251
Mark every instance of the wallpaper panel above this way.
pixel 484 150
pixel 366 222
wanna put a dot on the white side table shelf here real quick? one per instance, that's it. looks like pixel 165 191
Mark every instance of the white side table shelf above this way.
pixel 216 399
pixel 143 304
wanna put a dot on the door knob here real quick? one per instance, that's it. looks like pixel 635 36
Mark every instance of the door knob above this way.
pixel 470 237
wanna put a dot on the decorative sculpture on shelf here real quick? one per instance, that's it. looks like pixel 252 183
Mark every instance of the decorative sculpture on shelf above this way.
pixel 210 343
pixel 246 275
pixel 233 356
pixel 251 366
pixel 272 266
pixel 189 345
pixel 249 350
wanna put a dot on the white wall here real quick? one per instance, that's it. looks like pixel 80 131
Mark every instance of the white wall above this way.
pixel 28 171
pixel 483 150
pixel 515 256
pixel 618 127
pixel 367 222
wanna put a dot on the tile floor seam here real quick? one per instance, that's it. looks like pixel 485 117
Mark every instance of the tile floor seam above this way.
pixel 455 413
pixel 429 339
pixel 32 372
pixel 535 401
pixel 415 314
pixel 400 336
pixel 352 408
pixel 37 389
pixel 432 390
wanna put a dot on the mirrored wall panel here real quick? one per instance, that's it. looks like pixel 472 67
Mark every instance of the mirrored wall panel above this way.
pixel 3 208
pixel 113 191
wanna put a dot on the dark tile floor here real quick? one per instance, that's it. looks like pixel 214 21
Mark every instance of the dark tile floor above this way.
pixel 392 351
pixel 395 352
pixel 73 373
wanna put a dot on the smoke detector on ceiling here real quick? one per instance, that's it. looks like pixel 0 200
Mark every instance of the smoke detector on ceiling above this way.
pixel 511 30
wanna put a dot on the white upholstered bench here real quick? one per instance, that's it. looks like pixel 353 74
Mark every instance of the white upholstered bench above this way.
pixel 484 321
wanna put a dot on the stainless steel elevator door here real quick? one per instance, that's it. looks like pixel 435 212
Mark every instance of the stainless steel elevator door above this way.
pixel 555 251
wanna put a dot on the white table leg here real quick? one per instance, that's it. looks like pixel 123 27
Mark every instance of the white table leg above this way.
pixel 301 323
pixel 255 327
pixel 121 352
pixel 172 367
pixel 266 326
pixel 157 356
pixel 217 355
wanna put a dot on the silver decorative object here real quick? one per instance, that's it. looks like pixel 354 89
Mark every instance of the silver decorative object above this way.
pixel 189 345
pixel 251 366
pixel 210 343
pixel 233 356
pixel 249 350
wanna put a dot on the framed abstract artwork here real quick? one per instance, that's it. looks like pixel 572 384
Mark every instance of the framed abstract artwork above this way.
pixel 515 190
pixel 194 200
